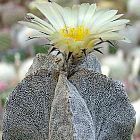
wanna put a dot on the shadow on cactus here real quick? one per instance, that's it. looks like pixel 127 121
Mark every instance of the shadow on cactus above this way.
pixel 64 96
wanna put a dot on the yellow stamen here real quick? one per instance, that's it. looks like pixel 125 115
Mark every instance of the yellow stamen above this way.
pixel 77 33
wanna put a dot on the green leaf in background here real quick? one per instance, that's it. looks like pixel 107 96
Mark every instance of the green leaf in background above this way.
pixel 41 49
pixel 3 96
pixel 5 41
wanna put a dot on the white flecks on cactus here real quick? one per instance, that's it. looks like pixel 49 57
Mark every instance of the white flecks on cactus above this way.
pixel 53 104
pixel 7 72
pixel 115 66
pixel 24 68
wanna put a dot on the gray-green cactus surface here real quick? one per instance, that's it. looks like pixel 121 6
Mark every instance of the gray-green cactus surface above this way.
pixel 78 104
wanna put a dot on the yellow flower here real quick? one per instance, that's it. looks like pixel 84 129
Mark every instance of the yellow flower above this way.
pixel 77 28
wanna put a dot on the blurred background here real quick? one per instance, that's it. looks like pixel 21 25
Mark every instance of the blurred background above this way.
pixel 16 53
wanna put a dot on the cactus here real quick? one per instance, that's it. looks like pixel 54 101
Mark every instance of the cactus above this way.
pixel 79 103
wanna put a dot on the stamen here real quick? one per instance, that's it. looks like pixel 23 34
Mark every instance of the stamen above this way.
pixel 77 34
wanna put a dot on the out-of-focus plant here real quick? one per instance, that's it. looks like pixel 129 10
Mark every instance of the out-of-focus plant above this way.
pixel 3 97
pixel 11 17
pixel 40 49
pixel 10 13
pixel 5 41
pixel 3 86
pixel 115 64
pixel 134 7
pixel 7 72
pixel 117 4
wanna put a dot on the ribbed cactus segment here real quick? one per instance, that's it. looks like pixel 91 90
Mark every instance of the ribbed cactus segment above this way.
pixel 78 104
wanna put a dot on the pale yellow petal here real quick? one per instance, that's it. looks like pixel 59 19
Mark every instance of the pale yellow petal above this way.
pixel 110 36
pixel 82 12
pixel 54 18
pixel 89 15
pixel 41 22
pixel 35 26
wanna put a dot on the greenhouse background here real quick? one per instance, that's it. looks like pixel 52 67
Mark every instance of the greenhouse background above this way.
pixel 121 62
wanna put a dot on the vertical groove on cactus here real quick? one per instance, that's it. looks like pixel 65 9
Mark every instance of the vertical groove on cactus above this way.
pixel 60 125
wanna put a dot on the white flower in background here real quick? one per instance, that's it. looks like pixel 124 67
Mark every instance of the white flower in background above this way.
pixel 77 28
pixel 134 7
pixel 7 72
pixel 115 66
pixel 24 68
pixel 136 106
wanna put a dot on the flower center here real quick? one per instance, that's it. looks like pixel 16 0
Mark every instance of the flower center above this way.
pixel 77 33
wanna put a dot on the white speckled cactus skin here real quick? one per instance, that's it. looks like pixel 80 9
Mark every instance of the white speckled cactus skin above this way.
pixel 78 104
